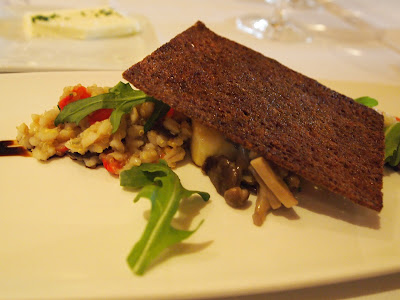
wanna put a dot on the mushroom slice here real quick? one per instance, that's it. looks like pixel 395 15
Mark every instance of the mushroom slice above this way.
pixel 236 196
pixel 273 182
pixel 273 201
pixel 262 206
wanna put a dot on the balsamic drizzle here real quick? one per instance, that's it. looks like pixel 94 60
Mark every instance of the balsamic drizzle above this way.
pixel 12 148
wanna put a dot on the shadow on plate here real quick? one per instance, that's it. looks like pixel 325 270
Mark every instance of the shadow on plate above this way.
pixel 358 289
pixel 187 212
pixel 179 249
pixel 188 209
pixel 321 201
pixel 288 213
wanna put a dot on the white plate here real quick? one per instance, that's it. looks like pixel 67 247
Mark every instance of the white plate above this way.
pixel 65 230
pixel 19 54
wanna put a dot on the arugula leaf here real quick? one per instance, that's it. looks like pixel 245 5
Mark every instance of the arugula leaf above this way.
pixel 163 187
pixel 392 135
pixel 160 110
pixel 367 101
pixel 392 144
pixel 122 98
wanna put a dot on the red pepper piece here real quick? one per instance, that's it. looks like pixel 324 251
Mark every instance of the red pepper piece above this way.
pixel 111 164
pixel 170 113
pixel 79 92
pixel 99 115
pixel 61 150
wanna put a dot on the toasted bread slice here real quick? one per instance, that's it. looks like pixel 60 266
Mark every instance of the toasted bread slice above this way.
pixel 255 101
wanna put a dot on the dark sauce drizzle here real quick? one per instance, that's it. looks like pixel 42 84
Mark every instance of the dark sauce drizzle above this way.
pixel 12 148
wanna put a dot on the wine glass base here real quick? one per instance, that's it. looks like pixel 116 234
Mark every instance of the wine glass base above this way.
pixel 262 28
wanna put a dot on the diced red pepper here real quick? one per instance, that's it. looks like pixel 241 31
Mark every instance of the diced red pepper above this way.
pixel 170 113
pixel 111 164
pixel 99 115
pixel 397 119
pixel 82 92
pixel 64 101
pixel 61 150
pixel 79 92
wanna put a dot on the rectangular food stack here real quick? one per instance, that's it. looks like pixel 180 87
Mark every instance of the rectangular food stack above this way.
pixel 286 117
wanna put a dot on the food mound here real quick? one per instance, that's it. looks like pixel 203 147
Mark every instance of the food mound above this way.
pixel 251 124
pixel 92 141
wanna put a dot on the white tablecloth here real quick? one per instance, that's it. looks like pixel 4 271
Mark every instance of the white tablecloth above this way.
pixel 356 56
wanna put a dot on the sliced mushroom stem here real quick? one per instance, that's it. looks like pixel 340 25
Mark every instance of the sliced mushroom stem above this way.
pixel 273 201
pixel 274 182
pixel 262 206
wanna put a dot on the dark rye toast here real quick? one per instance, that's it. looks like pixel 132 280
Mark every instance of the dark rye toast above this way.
pixel 255 101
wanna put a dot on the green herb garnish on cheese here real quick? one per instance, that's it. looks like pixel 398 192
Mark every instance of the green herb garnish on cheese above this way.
pixel 91 23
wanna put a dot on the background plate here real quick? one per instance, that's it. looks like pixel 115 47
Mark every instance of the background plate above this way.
pixel 65 230
pixel 18 54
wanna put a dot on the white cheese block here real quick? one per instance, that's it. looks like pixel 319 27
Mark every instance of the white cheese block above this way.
pixel 90 23
pixel 208 142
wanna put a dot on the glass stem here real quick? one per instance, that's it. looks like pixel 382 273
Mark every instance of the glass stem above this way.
pixel 278 19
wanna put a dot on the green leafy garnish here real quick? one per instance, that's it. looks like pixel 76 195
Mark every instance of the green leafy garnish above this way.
pixel 122 98
pixel 367 101
pixel 392 144
pixel 392 135
pixel 165 191
pixel 160 110
pixel 106 12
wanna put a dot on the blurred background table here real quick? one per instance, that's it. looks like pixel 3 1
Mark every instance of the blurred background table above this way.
pixel 341 52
